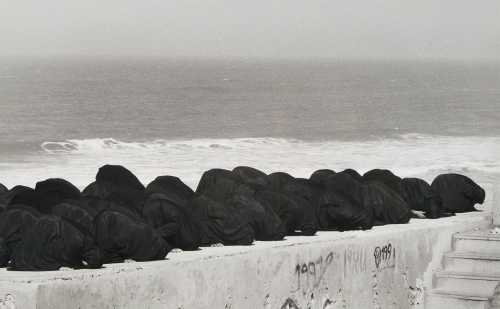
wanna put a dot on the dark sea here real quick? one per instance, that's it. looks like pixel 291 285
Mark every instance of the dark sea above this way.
pixel 66 117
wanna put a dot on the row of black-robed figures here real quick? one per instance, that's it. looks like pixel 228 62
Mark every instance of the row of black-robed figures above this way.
pixel 116 218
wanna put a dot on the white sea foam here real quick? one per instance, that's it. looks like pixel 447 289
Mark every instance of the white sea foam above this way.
pixel 408 155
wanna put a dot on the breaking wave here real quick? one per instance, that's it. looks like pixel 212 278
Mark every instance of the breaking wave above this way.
pixel 407 155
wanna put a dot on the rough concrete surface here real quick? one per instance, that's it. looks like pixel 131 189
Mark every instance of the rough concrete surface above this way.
pixel 386 267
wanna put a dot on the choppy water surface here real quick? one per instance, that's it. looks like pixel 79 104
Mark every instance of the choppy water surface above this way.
pixel 64 118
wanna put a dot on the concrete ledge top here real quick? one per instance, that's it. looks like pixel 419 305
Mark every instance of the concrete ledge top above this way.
pixel 9 277
pixel 478 235
pixel 460 295
pixel 468 275
pixel 473 255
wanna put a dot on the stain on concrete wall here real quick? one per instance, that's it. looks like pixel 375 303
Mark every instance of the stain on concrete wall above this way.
pixel 8 302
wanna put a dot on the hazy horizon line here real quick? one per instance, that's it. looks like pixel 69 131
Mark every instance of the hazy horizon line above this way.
pixel 159 57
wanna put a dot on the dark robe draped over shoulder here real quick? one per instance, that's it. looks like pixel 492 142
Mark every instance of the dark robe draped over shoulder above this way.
pixel 4 253
pixel 117 218
pixel 78 215
pixel 261 217
pixel 53 191
pixel 420 196
pixel 389 208
pixel 299 202
pixel 342 206
pixel 385 192
pixel 218 225
pixel 3 189
pixel 234 191
pixel 166 209
pixel 13 224
pixel 3 199
pixel 174 221
pixel 121 236
pixel 92 204
pixel 458 193
pixel 286 209
pixel 52 243
pixel 307 195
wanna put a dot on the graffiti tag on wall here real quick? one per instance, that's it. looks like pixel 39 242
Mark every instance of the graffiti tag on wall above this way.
pixel 311 273
pixel 354 261
pixel 384 256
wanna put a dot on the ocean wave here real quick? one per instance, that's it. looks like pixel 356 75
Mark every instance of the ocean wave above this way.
pixel 407 155
pixel 99 145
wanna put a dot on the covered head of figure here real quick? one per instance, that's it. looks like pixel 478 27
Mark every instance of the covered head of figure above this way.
pixel 171 187
pixel 252 177
pixel 116 183
pixel 278 180
pixel 115 178
pixel 353 173
pixel 387 178
pixel 53 191
pixel 21 195
pixel 320 176
pixel 458 193
pixel 218 184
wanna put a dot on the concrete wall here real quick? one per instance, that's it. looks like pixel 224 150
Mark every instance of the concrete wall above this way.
pixel 490 184
pixel 495 206
pixel 386 267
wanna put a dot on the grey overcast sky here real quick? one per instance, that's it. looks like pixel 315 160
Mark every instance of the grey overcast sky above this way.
pixel 387 29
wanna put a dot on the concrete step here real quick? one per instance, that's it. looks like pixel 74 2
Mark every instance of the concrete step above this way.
pixel 472 262
pixel 467 282
pixel 477 241
pixel 444 299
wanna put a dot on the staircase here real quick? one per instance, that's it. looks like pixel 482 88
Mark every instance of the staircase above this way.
pixel 471 273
